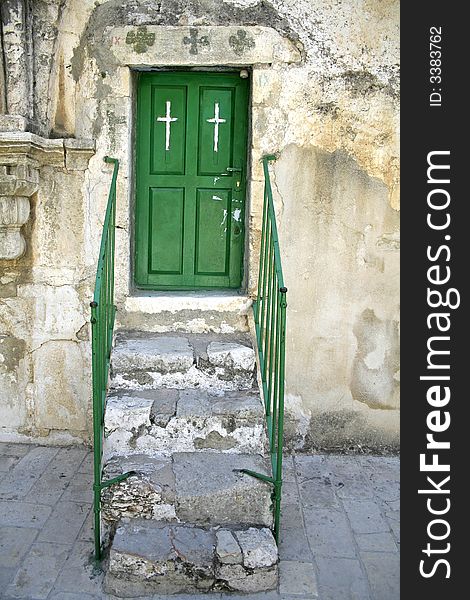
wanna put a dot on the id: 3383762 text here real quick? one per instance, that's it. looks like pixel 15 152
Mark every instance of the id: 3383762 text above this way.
pixel 435 66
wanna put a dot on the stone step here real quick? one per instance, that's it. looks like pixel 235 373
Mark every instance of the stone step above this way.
pixel 214 362
pixel 164 421
pixel 203 312
pixel 201 488
pixel 149 557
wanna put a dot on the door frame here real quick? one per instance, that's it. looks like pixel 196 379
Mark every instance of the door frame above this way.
pixel 267 52
pixel 137 73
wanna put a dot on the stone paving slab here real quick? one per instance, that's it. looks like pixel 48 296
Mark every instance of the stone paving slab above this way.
pixel 64 523
pixel 291 515
pixel 14 544
pixel 7 462
pixel 10 449
pixel 376 542
pixel 297 578
pixel 19 481
pixel 365 516
pixel 23 514
pixel 58 476
pixel 79 572
pixel 343 579
pixel 79 489
pixel 36 576
pixel 341 544
pixel 329 532
pixel 7 574
pixel 383 573
pixel 294 544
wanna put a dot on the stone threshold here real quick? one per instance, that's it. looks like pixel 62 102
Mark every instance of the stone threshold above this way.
pixel 158 302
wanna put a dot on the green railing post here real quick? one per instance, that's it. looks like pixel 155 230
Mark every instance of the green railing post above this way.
pixel 269 311
pixel 103 314
pixel 280 424
pixel 256 305
pixel 96 432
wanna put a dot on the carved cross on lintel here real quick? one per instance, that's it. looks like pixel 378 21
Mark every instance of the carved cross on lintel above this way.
pixel 140 39
pixel 193 41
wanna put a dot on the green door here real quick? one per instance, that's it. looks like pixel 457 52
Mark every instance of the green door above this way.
pixel 190 192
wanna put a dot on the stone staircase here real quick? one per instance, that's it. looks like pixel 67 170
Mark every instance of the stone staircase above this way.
pixel 184 414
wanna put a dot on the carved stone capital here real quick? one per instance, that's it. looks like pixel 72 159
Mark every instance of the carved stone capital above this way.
pixel 17 184
pixel 22 154
pixel 14 212
pixel 19 180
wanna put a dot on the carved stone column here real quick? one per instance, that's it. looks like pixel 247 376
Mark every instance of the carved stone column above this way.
pixel 17 184
pixel 17 55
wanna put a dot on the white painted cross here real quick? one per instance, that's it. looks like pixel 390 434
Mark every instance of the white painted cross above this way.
pixel 216 120
pixel 168 119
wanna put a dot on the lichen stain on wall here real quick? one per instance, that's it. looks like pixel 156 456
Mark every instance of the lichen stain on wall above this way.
pixel 12 350
pixel 13 369
pixel 374 377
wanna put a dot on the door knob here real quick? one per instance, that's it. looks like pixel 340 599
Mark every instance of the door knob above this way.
pixel 234 169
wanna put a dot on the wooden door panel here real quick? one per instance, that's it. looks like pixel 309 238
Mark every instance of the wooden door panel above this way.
pixel 215 130
pixel 212 232
pixel 168 131
pixel 166 231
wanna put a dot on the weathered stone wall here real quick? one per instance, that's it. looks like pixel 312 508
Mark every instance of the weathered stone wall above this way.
pixel 45 282
pixel 324 98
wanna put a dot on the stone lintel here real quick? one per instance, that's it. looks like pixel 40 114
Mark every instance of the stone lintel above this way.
pixel 157 45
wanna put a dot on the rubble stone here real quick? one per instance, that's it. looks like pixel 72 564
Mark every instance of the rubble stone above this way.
pixel 258 546
pixel 231 355
pixel 189 361
pixel 227 549
pixel 163 421
pixel 148 493
pixel 236 578
pixel 156 556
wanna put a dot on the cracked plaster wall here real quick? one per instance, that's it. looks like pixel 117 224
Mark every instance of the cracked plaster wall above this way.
pixel 333 119
pixel 339 244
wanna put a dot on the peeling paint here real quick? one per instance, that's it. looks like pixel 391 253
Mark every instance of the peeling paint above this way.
pixel 224 219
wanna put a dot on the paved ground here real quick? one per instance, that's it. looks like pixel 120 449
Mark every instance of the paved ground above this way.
pixel 339 540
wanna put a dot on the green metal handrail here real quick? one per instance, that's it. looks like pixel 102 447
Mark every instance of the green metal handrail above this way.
pixel 270 322
pixel 103 313
pixel 269 311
